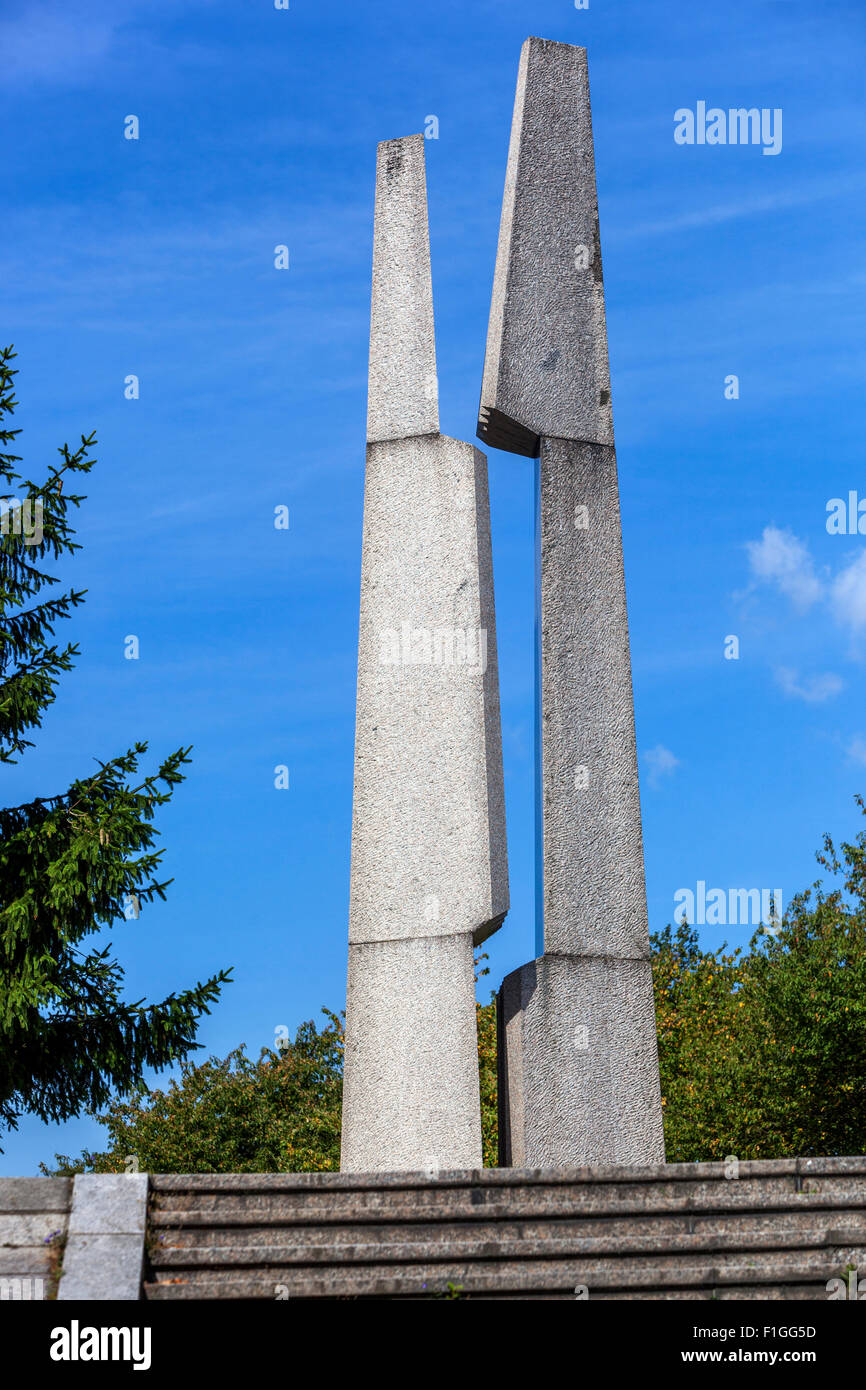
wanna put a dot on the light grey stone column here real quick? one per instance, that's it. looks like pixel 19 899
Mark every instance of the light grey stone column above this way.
pixel 579 1077
pixel 428 876
pixel 546 368
pixel 104 1251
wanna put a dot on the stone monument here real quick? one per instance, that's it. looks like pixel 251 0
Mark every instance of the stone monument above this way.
pixel 428 875
pixel 579 1080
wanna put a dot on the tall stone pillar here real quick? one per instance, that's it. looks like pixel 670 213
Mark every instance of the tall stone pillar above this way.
pixel 428 877
pixel 579 1080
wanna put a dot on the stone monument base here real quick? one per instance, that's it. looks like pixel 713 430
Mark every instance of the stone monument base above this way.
pixel 411 1094
pixel 578 1070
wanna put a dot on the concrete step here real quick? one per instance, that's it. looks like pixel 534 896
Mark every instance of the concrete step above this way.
pixel 505 1178
pixel 650 1272
pixel 449 1203
pixel 667 1268
pixel 777 1230
pixel 355 1245
pixel 251 1289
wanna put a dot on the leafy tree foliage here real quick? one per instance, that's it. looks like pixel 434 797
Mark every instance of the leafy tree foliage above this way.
pixel 487 1067
pixel 72 863
pixel 280 1114
pixel 763 1054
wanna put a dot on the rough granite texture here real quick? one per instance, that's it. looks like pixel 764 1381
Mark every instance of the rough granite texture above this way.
pixel 428 824
pixel 108 1204
pixel 546 392
pixel 34 1213
pixel 104 1253
pixel 410 1090
pixel 429 876
pixel 578 1059
pixel 594 893
pixel 546 366
pixel 102 1269
pixel 403 395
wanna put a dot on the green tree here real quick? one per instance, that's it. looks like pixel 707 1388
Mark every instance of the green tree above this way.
pixel 763 1054
pixel 485 1018
pixel 698 1017
pixel 280 1114
pixel 72 863
pixel 805 997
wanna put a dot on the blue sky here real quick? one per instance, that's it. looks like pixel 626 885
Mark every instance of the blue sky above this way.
pixel 155 257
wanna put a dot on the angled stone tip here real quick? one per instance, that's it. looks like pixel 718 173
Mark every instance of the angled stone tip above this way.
pixel 546 366
pixel 403 399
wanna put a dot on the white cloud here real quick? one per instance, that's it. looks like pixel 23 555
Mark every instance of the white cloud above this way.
pixel 780 558
pixel 661 761
pixel 849 594
pixel 857 749
pixel 720 213
pixel 812 689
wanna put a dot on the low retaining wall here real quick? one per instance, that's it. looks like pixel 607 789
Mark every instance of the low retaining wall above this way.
pixel 784 1229
pixel 34 1218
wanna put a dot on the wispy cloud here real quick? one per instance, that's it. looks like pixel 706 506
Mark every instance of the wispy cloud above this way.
pixel 830 596
pixel 848 594
pixel 857 749
pixel 780 558
pixel 720 213
pixel 813 689
pixel 661 763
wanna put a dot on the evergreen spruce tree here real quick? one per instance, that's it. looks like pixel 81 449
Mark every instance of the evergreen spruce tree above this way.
pixel 72 863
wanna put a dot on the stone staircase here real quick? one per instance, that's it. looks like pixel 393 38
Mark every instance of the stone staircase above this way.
pixel 776 1230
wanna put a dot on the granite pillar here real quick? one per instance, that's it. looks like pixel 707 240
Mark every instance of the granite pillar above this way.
pixel 428 874
pixel 579 1079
